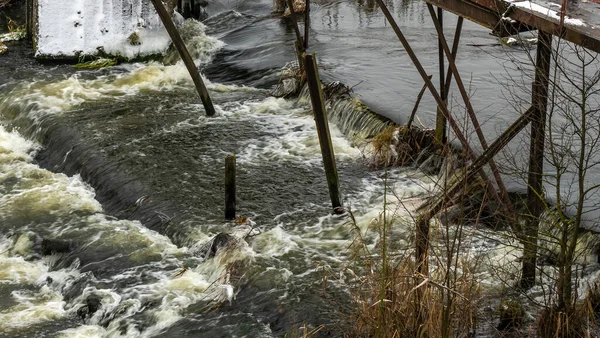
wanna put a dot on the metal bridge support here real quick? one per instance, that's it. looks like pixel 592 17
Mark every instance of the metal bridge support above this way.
pixel 535 194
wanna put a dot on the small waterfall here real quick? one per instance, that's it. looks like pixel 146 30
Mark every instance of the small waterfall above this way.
pixel 353 118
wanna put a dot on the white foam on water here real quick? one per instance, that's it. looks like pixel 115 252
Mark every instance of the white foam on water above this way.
pixel 290 133
pixel 84 331
pixel 60 96
pixel 32 308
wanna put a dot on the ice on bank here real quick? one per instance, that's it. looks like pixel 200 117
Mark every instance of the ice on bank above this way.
pixel 125 28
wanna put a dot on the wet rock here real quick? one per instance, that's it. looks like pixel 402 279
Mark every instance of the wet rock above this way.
pixel 92 304
pixel 210 249
pixel 74 286
pixel 53 246
pixel 194 9
pixel 286 88
pixel 220 241
pixel 24 244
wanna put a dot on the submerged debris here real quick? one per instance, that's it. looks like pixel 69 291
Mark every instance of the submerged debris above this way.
pixel 13 36
pixel 97 64
pixel 399 146
pixel 3 48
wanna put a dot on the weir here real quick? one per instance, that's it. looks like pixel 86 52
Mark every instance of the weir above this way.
pixel 131 138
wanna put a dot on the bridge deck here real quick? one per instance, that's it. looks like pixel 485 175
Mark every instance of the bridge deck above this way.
pixel 508 17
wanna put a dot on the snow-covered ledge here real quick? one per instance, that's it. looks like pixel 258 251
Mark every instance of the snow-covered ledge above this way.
pixel 121 28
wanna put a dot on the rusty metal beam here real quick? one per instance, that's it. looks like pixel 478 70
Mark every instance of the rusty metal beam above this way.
pixel 432 207
pixel 584 36
pixel 488 13
pixel 455 127
pixel 484 16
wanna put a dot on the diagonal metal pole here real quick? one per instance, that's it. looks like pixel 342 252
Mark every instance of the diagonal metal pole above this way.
pixel 455 45
pixel 467 100
pixel 435 206
pixel 463 141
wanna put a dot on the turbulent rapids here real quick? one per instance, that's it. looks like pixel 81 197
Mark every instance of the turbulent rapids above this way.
pixel 111 187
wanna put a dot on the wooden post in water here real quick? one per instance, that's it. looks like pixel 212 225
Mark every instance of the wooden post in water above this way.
pixel 318 104
pixel 299 44
pixel 230 187
pixel 535 202
pixel 185 56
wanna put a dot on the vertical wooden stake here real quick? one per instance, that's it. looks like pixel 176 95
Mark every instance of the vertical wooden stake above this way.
pixel 535 203
pixel 185 56
pixel 318 104
pixel 299 44
pixel 230 187
pixel 422 244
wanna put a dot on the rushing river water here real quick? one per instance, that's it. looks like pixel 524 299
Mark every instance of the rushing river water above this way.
pixel 122 165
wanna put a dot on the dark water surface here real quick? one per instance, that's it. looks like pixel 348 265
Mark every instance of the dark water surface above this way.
pixel 122 165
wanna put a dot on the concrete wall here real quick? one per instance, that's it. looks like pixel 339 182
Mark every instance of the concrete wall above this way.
pixel 126 28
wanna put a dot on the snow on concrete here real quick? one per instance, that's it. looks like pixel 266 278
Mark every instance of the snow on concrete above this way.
pixel 76 27
pixel 548 12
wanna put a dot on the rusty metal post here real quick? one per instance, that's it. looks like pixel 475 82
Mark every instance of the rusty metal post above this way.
pixel 440 121
pixel 416 107
pixel 306 24
pixel 455 45
pixel 455 127
pixel 185 56
pixel 467 101
pixel 535 202
pixel 318 104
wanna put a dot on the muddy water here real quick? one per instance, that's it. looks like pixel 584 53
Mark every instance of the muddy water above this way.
pixel 122 166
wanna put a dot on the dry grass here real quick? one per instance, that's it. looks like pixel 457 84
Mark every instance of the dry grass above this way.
pixel 5 3
pixel 578 320
pixel 398 146
pixel 393 300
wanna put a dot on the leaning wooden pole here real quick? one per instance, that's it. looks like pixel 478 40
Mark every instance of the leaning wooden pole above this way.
pixel 185 56
pixel 230 200
pixel 318 104
pixel 535 202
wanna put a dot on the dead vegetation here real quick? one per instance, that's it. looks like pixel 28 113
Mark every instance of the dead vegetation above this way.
pixel 399 146
pixel 392 299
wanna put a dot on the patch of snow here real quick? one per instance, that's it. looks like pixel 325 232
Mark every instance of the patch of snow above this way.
pixel 70 28
pixel 548 12
pixel 509 20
